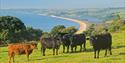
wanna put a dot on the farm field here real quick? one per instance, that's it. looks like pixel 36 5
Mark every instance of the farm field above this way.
pixel 118 50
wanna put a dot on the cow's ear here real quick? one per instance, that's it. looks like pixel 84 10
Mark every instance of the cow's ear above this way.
pixel 33 43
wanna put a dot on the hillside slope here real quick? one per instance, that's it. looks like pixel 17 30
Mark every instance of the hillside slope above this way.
pixel 80 57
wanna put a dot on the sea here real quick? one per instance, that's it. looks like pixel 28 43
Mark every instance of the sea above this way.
pixel 45 23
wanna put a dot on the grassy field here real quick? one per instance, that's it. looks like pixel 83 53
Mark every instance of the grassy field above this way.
pixel 80 57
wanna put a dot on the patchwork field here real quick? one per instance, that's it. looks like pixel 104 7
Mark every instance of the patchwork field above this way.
pixel 118 50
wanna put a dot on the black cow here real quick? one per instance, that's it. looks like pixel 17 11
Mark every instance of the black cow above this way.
pixel 101 41
pixel 66 42
pixel 78 39
pixel 50 43
pixel 65 39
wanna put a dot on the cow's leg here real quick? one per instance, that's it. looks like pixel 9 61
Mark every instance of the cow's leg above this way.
pixel 28 57
pixel 80 48
pixel 75 48
pixel 71 48
pixel 106 52
pixel 68 49
pixel 43 49
pixel 98 53
pixel 57 51
pixel 84 46
pixel 10 56
pixel 63 48
pixel 13 58
pixel 110 50
pixel 94 53
pixel 9 59
pixel 27 54
pixel 53 51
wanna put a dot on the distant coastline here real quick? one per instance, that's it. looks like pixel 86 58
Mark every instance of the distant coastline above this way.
pixel 83 25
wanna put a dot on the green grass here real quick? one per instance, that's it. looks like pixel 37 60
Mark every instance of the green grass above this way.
pixel 80 57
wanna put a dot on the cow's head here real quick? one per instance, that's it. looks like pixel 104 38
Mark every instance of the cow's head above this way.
pixel 34 45
pixel 92 39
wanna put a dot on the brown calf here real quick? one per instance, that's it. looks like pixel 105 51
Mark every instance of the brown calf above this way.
pixel 19 49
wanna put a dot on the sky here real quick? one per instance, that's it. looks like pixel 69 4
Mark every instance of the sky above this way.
pixel 60 4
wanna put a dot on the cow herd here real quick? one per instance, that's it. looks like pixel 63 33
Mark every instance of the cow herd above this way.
pixel 100 41
pixel 69 41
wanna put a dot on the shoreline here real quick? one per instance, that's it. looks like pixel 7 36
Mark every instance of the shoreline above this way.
pixel 82 24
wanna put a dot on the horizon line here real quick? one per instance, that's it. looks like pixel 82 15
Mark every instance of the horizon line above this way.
pixel 62 8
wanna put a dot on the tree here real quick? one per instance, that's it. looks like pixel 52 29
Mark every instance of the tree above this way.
pixel 46 35
pixel 70 30
pixel 30 34
pixel 90 29
pixel 13 30
pixel 57 29
pixel 117 24
pixel 9 26
pixel 34 34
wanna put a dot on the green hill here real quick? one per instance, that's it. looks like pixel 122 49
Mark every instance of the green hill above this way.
pixel 118 49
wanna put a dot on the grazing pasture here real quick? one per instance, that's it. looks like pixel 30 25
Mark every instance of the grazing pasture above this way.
pixel 118 51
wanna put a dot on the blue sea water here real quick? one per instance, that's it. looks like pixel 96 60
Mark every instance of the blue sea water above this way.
pixel 44 23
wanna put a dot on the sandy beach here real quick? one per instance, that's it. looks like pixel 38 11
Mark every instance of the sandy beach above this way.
pixel 82 24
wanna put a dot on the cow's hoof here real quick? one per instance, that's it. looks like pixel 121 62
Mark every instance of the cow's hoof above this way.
pixel 94 57
pixel 9 62
pixel 97 57
pixel 80 51
pixel 67 52
pixel 105 56
pixel 84 49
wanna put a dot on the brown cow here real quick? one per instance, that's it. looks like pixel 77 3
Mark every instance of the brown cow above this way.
pixel 19 49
